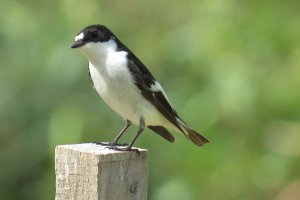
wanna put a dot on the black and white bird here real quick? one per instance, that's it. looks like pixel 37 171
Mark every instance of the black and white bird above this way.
pixel 128 87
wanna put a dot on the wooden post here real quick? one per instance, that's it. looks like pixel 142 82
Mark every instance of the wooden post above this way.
pixel 90 171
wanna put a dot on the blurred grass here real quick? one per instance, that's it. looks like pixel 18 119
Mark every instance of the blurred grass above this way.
pixel 230 68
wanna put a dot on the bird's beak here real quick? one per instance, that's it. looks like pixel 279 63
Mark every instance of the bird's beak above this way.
pixel 77 44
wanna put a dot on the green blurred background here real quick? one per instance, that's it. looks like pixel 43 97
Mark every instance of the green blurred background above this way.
pixel 230 68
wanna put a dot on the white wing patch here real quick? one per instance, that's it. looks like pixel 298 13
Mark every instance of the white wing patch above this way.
pixel 156 87
pixel 79 37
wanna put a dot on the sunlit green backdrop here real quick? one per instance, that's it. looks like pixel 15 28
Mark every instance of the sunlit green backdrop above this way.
pixel 231 69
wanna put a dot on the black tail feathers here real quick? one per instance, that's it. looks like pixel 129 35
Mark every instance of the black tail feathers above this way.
pixel 196 138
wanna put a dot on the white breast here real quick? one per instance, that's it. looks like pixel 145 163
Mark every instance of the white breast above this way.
pixel 114 84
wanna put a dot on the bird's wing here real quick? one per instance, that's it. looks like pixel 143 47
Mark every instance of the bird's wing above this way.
pixel 91 80
pixel 151 89
pixel 155 94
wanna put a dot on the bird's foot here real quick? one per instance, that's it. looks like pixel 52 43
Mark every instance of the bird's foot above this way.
pixel 110 144
pixel 127 148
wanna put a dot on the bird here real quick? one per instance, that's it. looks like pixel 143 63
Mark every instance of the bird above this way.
pixel 129 88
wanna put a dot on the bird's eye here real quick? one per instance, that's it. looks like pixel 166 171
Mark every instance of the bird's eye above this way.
pixel 94 35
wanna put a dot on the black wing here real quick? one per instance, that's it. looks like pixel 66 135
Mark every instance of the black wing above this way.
pixel 144 80
pixel 91 80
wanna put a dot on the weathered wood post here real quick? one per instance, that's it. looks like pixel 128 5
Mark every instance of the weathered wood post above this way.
pixel 89 171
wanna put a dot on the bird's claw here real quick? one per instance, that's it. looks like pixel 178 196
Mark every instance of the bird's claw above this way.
pixel 123 149
pixel 116 146
pixel 110 144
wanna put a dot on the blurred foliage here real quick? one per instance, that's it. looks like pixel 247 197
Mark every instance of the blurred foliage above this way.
pixel 231 69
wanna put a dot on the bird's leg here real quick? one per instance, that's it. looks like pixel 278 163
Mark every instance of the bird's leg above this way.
pixel 140 130
pixel 115 141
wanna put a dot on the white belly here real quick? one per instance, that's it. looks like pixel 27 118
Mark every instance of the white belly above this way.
pixel 114 84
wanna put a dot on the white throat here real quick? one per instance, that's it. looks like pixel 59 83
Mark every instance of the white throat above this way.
pixel 97 52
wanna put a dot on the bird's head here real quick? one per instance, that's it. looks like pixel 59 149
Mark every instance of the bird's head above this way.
pixel 94 40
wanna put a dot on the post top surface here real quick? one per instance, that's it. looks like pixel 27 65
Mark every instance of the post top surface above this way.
pixel 102 152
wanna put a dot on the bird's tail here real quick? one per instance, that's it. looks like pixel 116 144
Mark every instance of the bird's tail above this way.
pixel 195 137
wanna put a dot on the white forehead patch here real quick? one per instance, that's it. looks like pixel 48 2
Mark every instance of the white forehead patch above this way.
pixel 79 37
